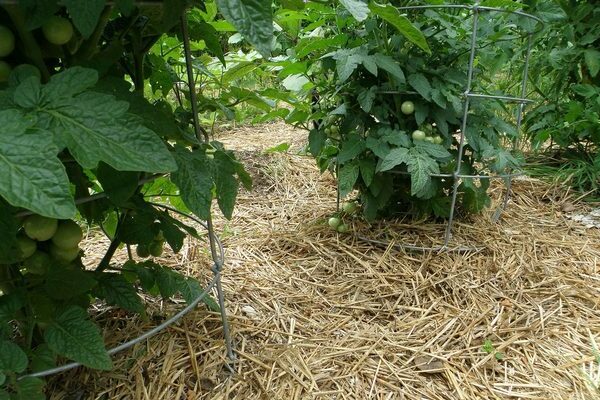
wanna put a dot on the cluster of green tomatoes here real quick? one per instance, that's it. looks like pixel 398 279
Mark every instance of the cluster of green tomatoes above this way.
pixel 57 31
pixel 154 249
pixel 336 222
pixel 426 134
pixel 42 240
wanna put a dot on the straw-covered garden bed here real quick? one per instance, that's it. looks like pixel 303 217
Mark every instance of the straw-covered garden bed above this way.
pixel 317 315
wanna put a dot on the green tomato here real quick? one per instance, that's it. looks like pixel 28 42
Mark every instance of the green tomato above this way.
pixel 407 108
pixel 4 71
pixel 437 139
pixel 156 248
pixel 430 139
pixel 142 251
pixel 343 228
pixel 26 245
pixel 335 130
pixel 58 30
pixel 334 222
pixel 349 207
pixel 38 263
pixel 418 135
pixel 68 235
pixel 327 131
pixel 40 228
pixel 63 255
pixel 7 41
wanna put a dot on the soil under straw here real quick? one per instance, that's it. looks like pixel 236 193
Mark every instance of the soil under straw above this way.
pixel 317 315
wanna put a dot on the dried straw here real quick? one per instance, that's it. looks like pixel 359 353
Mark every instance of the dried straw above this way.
pixel 317 315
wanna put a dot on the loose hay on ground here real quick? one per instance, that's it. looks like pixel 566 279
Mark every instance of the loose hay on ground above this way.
pixel 316 315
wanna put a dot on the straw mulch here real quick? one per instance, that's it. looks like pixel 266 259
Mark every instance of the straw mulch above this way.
pixel 317 315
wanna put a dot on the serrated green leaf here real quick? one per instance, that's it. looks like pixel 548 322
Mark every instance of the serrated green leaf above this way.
pixel 347 177
pixel 169 282
pixel 358 8
pixel 366 97
pixel 115 289
pixel 12 357
pixel 72 335
pixel 394 158
pixel 253 19
pixel 226 184
pixel 200 30
pixel 85 15
pixel 367 170
pixel 172 232
pixel 352 146
pixel 194 179
pixel 420 84
pixel 421 166
pixel 65 283
pixel 391 14
pixel 42 358
pixel 434 150
pixel 592 60
pixel 29 389
pixel 316 140
pixel 390 65
pixel 379 147
pixel 119 186
pixel 32 177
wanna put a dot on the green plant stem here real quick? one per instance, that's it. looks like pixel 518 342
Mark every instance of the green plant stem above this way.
pixel 90 46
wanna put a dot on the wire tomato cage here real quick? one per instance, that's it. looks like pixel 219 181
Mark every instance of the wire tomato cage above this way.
pixel 216 250
pixel 476 11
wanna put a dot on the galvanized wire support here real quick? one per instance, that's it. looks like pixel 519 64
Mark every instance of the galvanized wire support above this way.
pixel 476 10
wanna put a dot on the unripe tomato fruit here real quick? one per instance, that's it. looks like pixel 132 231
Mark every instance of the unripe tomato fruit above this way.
pixel 27 246
pixel 438 139
pixel 40 228
pixel 430 139
pixel 7 41
pixel 418 135
pixel 334 222
pixel 58 30
pixel 156 248
pixel 343 228
pixel 349 207
pixel 142 251
pixel 38 263
pixel 63 255
pixel 4 71
pixel 68 235
pixel 407 108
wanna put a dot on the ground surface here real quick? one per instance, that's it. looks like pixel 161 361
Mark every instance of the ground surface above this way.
pixel 315 315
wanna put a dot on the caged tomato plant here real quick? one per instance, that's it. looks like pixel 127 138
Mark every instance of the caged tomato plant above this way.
pixel 388 95
pixel 90 138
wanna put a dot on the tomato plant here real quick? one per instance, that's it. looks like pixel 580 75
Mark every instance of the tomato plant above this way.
pixel 90 134
pixel 393 84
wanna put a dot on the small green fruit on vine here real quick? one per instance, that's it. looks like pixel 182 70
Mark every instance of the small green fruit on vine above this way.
pixel 418 135
pixel 408 107
pixel 58 30
pixel 4 71
pixel 64 255
pixel 38 263
pixel 430 139
pixel 7 41
pixel 142 251
pixel 335 130
pixel 26 245
pixel 437 139
pixel 334 222
pixel 40 228
pixel 343 228
pixel 349 207
pixel 156 248
pixel 68 235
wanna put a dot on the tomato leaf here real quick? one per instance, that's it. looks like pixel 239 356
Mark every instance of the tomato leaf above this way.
pixel 359 9
pixel 115 289
pixel 12 357
pixel 33 177
pixel 592 59
pixel 253 19
pixel 72 335
pixel 85 14
pixel 421 85
pixel 64 283
pixel 194 179
pixel 401 23
pixel 352 146
pixel 29 389
pixel 348 175
pixel 118 186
